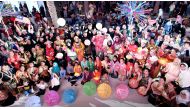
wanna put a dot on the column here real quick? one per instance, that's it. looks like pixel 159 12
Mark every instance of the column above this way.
pixel 52 12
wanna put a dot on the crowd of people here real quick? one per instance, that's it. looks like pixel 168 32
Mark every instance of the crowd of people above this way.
pixel 153 58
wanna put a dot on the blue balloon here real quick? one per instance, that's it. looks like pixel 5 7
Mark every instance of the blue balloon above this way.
pixel 69 96
pixel 33 101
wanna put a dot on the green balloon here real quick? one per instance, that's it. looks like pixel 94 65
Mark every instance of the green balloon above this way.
pixel 89 88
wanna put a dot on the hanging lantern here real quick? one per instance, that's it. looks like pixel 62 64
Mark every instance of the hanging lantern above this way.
pixel 99 26
pixel 61 22
pixel 104 91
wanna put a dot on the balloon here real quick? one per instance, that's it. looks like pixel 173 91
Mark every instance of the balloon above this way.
pixel 69 96
pixel 122 91
pixel 61 22
pixel 89 88
pixel 104 91
pixel 33 101
pixel 99 26
pixel 51 98
pixel 133 83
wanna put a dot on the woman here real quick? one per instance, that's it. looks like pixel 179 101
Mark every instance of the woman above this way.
pixel 6 97
pixel 183 99
pixel 90 64
pixel 78 47
pixel 115 67
pixel 145 83
pixel 33 72
pixel 106 64
pixel 86 76
pixel 14 60
pixel 96 76
pixel 55 83
pixel 98 64
pixel 172 70
pixel 42 88
pixel 77 70
pixel 122 70
pixel 21 75
pixel 84 63
pixel 162 94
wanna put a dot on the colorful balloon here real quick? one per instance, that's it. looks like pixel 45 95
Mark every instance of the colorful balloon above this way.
pixel 33 101
pixel 89 88
pixel 104 91
pixel 51 98
pixel 122 91
pixel 69 96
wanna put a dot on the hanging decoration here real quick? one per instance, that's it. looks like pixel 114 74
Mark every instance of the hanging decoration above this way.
pixel 134 10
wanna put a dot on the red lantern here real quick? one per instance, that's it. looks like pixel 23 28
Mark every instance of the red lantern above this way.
pixel 133 83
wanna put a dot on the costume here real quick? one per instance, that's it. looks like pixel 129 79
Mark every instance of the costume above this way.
pixel 78 47
pixel 49 52
pixel 173 70
pixel 98 42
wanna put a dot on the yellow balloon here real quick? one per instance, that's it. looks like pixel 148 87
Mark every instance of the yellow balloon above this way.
pixel 104 91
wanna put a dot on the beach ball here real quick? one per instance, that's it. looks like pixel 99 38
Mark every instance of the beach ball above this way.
pixel 133 83
pixel 33 101
pixel 51 98
pixel 61 22
pixel 89 88
pixel 122 91
pixel 69 96
pixel 104 91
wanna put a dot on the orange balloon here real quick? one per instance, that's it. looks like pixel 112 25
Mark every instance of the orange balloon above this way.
pixel 104 91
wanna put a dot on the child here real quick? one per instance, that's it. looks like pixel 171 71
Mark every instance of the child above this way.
pixel 42 88
pixel 96 76
pixel 62 72
pixel 86 76
pixel 27 88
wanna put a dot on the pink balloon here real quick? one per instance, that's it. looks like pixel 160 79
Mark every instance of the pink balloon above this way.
pixel 122 91
pixel 51 98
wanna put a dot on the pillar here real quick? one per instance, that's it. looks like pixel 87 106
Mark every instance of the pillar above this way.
pixel 52 12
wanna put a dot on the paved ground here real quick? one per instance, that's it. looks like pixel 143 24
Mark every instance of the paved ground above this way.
pixel 133 100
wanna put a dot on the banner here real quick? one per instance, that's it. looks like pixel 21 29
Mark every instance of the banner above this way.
pixel 22 19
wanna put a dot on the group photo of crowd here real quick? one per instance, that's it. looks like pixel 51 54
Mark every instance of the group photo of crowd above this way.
pixel 125 41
